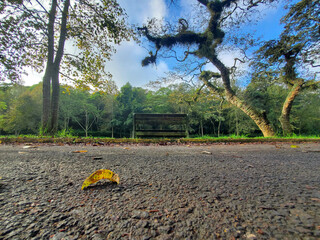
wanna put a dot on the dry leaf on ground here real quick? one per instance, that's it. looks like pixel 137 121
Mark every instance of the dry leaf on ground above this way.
pixel 206 152
pixel 100 174
pixel 26 147
pixel 80 151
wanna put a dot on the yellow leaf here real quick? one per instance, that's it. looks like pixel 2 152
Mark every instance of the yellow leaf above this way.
pixel 206 152
pixel 294 146
pixel 100 174
pixel 80 151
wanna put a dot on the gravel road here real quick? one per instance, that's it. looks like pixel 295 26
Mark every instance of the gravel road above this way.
pixel 240 191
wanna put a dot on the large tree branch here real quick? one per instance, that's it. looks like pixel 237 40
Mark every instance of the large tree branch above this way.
pixel 206 76
pixel 168 41
pixel 185 37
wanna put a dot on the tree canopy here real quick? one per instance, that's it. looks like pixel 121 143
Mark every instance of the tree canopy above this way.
pixel 91 28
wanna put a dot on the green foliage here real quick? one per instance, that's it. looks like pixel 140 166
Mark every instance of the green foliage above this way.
pixel 68 133
pixel 23 110
pixel 283 59
pixel 93 28
pixel 18 33
pixel 129 101
pixel 85 113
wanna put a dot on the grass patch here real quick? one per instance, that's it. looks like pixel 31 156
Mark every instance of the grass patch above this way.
pixel 161 141
pixel 260 137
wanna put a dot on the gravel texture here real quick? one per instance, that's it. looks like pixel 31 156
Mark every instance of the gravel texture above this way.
pixel 253 191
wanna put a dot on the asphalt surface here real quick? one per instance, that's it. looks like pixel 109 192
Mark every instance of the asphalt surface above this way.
pixel 239 191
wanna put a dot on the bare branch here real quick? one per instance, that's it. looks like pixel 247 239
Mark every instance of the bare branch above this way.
pixel 229 14
pixel 66 76
pixel 44 9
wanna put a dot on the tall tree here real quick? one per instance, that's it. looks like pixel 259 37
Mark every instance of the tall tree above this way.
pixel 297 49
pixel 91 27
pixel 205 44
pixel 129 101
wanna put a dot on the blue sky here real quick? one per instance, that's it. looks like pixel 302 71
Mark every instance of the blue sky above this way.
pixel 125 65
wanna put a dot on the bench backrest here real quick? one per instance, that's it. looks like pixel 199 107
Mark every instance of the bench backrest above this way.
pixel 160 125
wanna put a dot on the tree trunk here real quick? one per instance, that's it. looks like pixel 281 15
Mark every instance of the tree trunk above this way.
pixel 55 101
pixel 219 116
pixel 287 106
pixel 237 124
pixel 46 87
pixel 214 127
pixel 259 118
pixel 46 102
pixel 86 124
pixel 56 67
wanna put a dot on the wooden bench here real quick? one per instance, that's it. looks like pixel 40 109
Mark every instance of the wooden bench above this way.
pixel 160 125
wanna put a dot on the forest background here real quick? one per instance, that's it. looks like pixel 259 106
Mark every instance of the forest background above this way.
pixel 97 114
pixel 272 86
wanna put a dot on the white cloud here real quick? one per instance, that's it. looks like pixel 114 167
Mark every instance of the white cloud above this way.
pixel 140 11
pixel 126 66
pixel 126 63
pixel 32 78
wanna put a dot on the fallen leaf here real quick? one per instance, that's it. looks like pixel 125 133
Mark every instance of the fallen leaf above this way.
pixel 80 151
pixel 126 148
pixel 206 152
pixel 153 211
pixel 22 152
pixel 98 175
pixel 26 147
pixel 251 236
pixel 307 151
pixel 96 158
pixel 310 187
pixel 315 199
pixel 295 146
pixel 260 231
